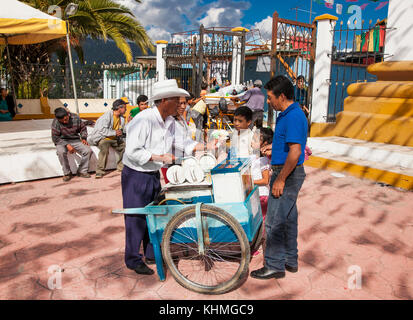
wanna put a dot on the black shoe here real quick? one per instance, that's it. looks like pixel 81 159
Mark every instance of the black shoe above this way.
pixel 144 269
pixel 291 269
pixel 265 273
pixel 150 261
pixel 83 174
pixel 67 177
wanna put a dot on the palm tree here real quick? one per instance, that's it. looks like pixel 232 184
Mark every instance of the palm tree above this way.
pixel 99 19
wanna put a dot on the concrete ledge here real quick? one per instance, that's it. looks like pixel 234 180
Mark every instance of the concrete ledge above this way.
pixel 396 107
pixel 392 70
pixel 384 89
pixel 380 128
pixel 385 154
pixel 390 164
pixel 322 129
pixel 362 170
pixel 28 153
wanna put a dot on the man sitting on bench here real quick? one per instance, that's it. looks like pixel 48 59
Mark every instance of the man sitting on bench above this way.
pixel 108 132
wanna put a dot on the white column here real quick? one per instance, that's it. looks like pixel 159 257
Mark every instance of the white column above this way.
pixel 235 67
pixel 160 61
pixel 322 67
pixel 398 43
pixel 106 88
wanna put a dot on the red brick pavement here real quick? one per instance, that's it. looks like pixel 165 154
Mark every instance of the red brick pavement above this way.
pixel 342 222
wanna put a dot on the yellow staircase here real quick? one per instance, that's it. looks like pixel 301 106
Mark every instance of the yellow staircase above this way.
pixel 375 115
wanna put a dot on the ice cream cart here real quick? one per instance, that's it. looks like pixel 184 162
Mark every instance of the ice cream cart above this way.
pixel 204 228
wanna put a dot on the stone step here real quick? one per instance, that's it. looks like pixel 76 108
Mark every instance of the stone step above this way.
pixel 390 164
pixel 378 155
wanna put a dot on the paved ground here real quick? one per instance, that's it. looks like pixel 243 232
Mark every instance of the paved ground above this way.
pixel 343 222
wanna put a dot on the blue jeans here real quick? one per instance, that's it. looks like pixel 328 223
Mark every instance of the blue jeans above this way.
pixel 281 222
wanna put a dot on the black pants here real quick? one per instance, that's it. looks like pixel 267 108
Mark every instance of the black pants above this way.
pixel 138 190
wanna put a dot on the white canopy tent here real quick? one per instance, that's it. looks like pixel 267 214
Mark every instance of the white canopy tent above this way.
pixel 21 24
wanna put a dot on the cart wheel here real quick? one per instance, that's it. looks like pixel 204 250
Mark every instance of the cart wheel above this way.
pixel 227 251
pixel 257 241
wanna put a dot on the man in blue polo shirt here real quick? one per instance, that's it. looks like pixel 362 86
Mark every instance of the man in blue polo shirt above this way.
pixel 287 159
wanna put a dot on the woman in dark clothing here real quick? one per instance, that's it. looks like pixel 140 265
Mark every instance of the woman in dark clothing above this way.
pixel 6 106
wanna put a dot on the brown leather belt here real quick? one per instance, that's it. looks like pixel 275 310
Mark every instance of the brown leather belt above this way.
pixel 279 166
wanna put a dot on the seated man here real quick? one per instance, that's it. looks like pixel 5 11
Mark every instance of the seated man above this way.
pixel 108 132
pixel 69 134
pixel 142 102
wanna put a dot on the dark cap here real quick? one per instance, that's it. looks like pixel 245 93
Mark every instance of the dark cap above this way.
pixel 118 104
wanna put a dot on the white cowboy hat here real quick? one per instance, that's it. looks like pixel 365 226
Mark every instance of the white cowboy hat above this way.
pixel 167 89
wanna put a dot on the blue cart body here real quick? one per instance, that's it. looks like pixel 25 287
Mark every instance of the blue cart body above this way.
pixel 247 213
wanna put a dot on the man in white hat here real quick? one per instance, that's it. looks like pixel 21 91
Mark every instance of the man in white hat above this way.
pixel 149 142
pixel 254 99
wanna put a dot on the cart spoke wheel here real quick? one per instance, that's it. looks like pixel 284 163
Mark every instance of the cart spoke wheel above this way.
pixel 226 250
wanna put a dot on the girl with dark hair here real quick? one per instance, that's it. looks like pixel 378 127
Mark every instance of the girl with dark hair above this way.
pixel 261 168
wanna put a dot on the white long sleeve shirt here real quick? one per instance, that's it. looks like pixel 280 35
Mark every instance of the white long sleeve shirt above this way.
pixel 149 134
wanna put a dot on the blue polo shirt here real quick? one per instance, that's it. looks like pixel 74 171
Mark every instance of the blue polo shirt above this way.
pixel 292 127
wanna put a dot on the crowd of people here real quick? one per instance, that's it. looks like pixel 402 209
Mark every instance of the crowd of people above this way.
pixel 152 138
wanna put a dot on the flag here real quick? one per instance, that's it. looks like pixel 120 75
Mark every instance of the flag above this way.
pixel 381 5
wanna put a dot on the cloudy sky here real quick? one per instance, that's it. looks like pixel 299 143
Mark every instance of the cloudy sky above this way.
pixel 163 17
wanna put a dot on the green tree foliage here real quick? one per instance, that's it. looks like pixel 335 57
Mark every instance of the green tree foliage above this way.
pixel 99 19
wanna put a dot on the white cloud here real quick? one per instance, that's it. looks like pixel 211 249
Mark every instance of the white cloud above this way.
pixel 212 18
pixel 156 33
pixel 164 17
pixel 265 27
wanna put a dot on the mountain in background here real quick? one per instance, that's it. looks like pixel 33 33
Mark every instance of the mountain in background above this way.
pixel 107 52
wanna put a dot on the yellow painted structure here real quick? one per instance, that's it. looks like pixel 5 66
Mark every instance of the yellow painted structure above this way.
pixel 380 112
pixel 326 17
pixel 240 29
pixel 388 177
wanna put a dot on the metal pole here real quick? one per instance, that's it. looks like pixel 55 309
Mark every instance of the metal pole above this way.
pixel 11 76
pixel 71 67
pixel 201 60
pixel 273 62
pixel 311 10
pixel 242 73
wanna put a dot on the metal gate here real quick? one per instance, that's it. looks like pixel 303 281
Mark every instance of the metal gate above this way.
pixel 353 51
pixel 201 56
pixel 293 54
